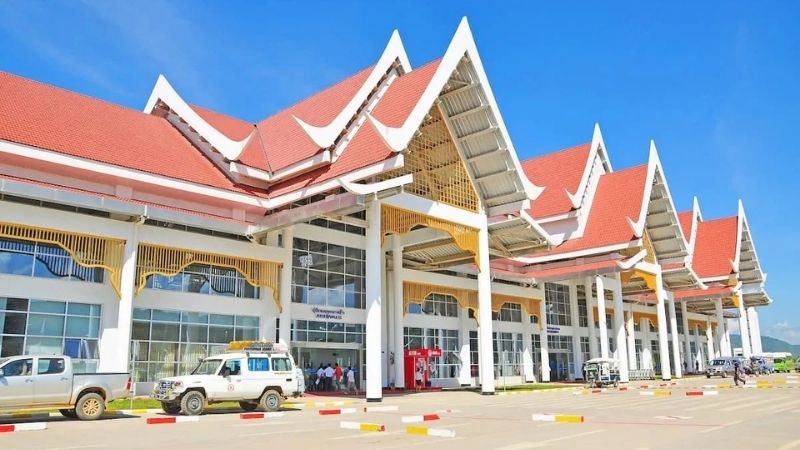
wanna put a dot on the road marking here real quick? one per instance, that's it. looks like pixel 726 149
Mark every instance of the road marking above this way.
pixel 304 430
pixel 749 404
pixel 262 424
pixel 545 443
pixel 788 445
pixel 722 426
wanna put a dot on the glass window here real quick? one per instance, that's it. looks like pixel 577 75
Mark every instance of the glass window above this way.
pixel 19 368
pixel 448 364
pixel 258 364
pixel 33 259
pixel 509 312
pixel 337 332
pixel 327 274
pixel 281 364
pixel 436 305
pixel 557 302
pixel 50 366
pixel 206 279
pixel 507 353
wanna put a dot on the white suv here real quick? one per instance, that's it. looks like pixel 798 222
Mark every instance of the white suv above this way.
pixel 262 375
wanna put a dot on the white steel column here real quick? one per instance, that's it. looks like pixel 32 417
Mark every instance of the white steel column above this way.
pixel 755 331
pixel 647 350
pixel 576 337
pixel 587 287
pixel 374 262
pixel 619 329
pixel 397 299
pixel 545 351
pixel 719 338
pixel 687 347
pixel 601 316
pixel 285 324
pixel 527 350
pixel 728 349
pixel 698 357
pixel 631 340
pixel 661 315
pixel 465 372
pixel 676 346
pixel 744 332
pixel 485 314
pixel 115 343
pixel 712 352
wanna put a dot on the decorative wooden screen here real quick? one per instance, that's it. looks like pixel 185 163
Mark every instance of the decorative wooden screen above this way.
pixel 648 278
pixel 169 261
pixel 86 250
pixel 638 316
pixel 650 257
pixel 701 324
pixel 401 221
pixel 417 293
pixel 439 173
pixel 530 306
pixel 597 315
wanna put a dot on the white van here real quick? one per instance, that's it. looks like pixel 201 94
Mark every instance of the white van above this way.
pixel 262 375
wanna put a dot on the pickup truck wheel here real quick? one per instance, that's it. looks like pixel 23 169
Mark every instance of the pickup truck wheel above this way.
pixel 90 406
pixel 68 413
pixel 248 406
pixel 193 403
pixel 271 400
pixel 171 408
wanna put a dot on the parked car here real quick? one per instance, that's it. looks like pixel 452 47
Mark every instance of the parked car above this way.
pixel 46 382
pixel 797 365
pixel 260 376
pixel 784 364
pixel 720 367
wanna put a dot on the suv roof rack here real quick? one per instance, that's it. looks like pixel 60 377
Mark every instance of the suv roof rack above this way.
pixel 257 346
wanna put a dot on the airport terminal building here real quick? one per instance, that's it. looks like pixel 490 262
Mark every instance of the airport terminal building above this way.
pixel 385 217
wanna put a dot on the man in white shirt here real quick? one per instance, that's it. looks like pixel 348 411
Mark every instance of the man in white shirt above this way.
pixel 319 385
pixel 328 377
pixel 351 380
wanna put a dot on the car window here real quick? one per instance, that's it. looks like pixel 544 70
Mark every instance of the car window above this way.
pixel 231 367
pixel 258 364
pixel 50 366
pixel 19 368
pixel 281 364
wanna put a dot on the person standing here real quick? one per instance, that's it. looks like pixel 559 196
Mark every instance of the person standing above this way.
pixel 737 373
pixel 329 378
pixel 419 373
pixel 351 380
pixel 319 383
pixel 337 373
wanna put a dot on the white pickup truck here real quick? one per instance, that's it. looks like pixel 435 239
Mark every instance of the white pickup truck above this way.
pixel 47 382
pixel 262 376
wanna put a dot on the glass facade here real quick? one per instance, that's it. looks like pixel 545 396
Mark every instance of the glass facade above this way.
pixel 171 343
pixel 205 279
pixel 473 354
pixel 509 312
pixel 557 300
pixel 33 259
pixel 507 354
pixel 561 356
pixel 315 331
pixel 583 312
pixel 436 305
pixel 327 274
pixel 585 351
pixel 43 327
pixel 446 340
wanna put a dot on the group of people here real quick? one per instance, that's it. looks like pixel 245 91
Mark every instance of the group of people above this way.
pixel 327 378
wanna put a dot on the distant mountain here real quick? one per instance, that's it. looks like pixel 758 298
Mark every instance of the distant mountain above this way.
pixel 769 344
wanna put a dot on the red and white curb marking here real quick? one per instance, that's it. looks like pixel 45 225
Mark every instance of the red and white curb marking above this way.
pixel 380 408
pixel 421 418
pixel 701 393
pixel 425 431
pixel 168 420
pixel 260 415
pixel 656 393
pixel 35 426
pixel 318 404
pixel 330 412
pixel 362 426
pixel 556 418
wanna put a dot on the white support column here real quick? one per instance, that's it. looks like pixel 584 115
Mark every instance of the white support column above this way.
pixel 465 372
pixel 601 316
pixel 647 351
pixel 397 299
pixel 285 324
pixel 711 353
pixel 576 337
pixel 631 340
pixel 744 331
pixel 661 315
pixel 374 266
pixel 385 325
pixel 755 331
pixel 587 287
pixel 719 338
pixel 619 330
pixel 545 351
pixel 698 360
pixel 676 346
pixel 115 343
pixel 485 314
pixel 728 349
pixel 687 346
pixel 527 349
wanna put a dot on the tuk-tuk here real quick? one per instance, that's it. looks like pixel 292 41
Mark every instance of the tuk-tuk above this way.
pixel 600 372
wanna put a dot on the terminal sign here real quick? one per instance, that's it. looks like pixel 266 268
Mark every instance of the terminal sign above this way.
pixel 328 313
pixel 553 330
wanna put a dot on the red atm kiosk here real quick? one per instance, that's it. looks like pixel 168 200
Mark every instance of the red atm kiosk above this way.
pixel 419 357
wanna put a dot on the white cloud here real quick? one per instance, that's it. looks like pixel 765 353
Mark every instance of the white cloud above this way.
pixel 786 331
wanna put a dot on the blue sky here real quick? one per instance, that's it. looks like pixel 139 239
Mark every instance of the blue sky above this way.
pixel 716 86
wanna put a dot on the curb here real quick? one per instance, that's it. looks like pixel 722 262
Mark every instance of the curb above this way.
pixel 556 418
pixel 171 420
pixel 362 426
pixel 422 418
pixel 425 431
pixel 380 408
pixel 318 404
pixel 330 412
pixel 260 415
pixel 700 393
pixel 35 426
pixel 656 393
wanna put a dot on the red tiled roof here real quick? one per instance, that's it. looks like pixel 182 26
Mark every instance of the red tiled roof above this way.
pixel 284 141
pixel 233 128
pixel 366 148
pixel 55 119
pixel 711 292
pixel 545 272
pixel 685 219
pixel 556 172
pixel 619 195
pixel 403 95
pixel 715 247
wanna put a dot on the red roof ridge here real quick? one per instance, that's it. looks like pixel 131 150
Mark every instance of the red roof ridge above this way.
pixel 555 152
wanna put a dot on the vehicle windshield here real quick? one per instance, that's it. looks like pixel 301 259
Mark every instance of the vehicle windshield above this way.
pixel 3 361
pixel 718 362
pixel 207 367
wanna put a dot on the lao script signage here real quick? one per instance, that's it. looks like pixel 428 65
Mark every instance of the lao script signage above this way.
pixel 553 330
pixel 328 313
